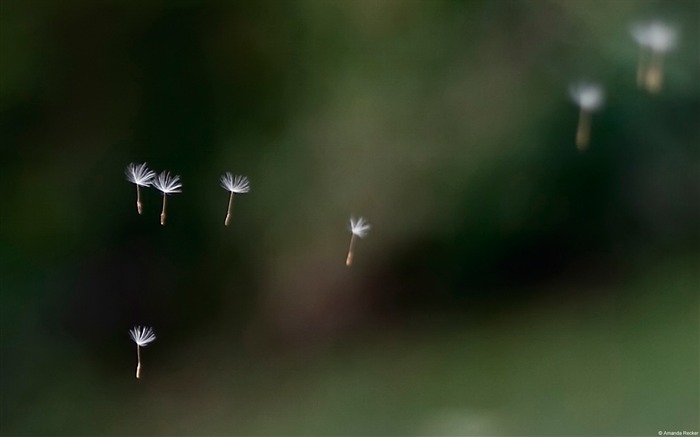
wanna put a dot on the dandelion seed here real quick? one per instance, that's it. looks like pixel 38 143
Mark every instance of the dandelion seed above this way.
pixel 589 97
pixel 235 185
pixel 655 39
pixel 141 176
pixel 166 184
pixel 142 336
pixel 359 228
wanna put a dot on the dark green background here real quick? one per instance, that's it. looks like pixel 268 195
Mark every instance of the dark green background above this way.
pixel 510 284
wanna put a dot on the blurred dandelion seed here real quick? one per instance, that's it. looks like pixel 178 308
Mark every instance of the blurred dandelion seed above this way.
pixel 142 336
pixel 359 228
pixel 141 176
pixel 655 39
pixel 589 97
pixel 235 185
pixel 166 184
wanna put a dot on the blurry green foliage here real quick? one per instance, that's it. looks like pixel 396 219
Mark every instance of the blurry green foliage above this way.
pixel 510 284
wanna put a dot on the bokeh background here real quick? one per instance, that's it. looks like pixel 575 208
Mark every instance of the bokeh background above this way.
pixel 510 284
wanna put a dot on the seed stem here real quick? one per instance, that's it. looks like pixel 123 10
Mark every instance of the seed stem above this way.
pixel 138 199
pixel 583 132
pixel 228 211
pixel 348 260
pixel 162 214
pixel 655 73
pixel 138 365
